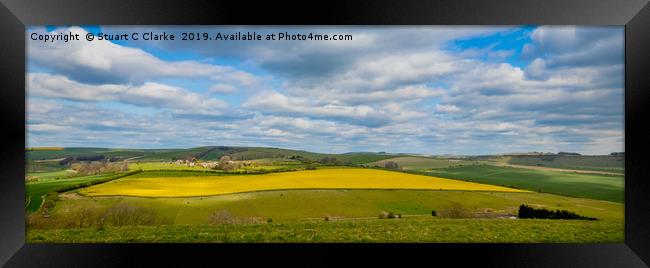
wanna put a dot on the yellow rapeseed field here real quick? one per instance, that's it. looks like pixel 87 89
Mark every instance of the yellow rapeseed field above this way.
pixel 343 178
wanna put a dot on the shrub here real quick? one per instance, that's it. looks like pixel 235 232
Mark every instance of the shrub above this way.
pixel 527 212
pixel 383 215
pixel 387 215
pixel 97 167
pixel 125 214
pixel 455 211
pixel 49 201
pixel 79 218
pixel 36 221
pixel 391 165
pixel 119 215
pixel 433 213
pixel 250 220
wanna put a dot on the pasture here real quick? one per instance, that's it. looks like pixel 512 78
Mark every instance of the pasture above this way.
pixel 331 178
pixel 36 190
pixel 420 229
pixel 298 205
pixel 178 203
pixel 422 163
pixel 580 162
pixel 602 187
pixel 44 176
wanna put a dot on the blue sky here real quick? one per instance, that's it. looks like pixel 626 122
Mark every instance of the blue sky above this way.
pixel 425 89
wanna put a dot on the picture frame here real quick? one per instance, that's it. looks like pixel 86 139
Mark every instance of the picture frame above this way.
pixel 634 15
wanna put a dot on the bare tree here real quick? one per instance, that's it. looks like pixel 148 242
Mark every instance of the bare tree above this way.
pixel 391 165
pixel 226 163
pixel 455 211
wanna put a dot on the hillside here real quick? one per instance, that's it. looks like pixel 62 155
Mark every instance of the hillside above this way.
pixel 47 160
pixel 580 162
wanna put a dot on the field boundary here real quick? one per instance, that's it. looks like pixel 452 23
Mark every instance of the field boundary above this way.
pixel 82 185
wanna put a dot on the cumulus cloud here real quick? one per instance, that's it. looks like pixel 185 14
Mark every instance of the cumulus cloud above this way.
pixel 396 89
pixel 276 103
pixel 102 61
pixel 447 108
pixel 149 94
pixel 577 45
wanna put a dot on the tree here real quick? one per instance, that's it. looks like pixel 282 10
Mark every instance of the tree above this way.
pixel 329 160
pixel 225 159
pixel 455 211
pixel 226 163
pixel 391 165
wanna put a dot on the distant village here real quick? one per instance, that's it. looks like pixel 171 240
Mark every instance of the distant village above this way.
pixel 224 163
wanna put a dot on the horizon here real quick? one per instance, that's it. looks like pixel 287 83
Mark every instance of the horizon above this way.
pixel 460 90
pixel 44 148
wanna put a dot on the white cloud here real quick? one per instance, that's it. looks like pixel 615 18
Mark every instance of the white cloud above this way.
pixel 536 69
pixel 447 108
pixel 276 103
pixel 101 61
pixel 392 89
pixel 149 94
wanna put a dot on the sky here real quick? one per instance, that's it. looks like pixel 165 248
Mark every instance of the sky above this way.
pixel 416 89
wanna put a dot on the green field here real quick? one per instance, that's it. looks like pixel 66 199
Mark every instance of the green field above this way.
pixel 202 153
pixel 81 152
pixel 43 176
pixel 294 205
pixel 315 214
pixel 36 190
pixel 299 216
pixel 602 187
pixel 43 166
pixel 173 154
pixel 416 229
pixel 423 163
pixel 362 158
pixel 579 162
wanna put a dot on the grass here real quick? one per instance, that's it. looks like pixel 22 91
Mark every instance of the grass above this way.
pixel 36 190
pixel 44 176
pixel 43 166
pixel 582 162
pixel 362 158
pixel 602 187
pixel 296 205
pixel 420 163
pixel 387 230
pixel 145 154
pixel 70 152
pixel 342 178
pixel 250 153
pixel 170 154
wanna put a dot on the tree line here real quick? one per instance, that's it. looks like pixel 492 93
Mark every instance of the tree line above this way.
pixel 527 212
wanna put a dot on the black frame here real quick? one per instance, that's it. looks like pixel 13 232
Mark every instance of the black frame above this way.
pixel 16 14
